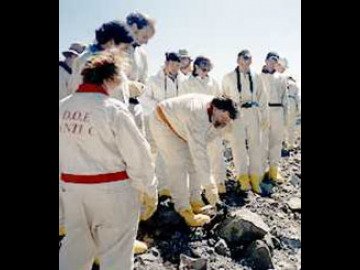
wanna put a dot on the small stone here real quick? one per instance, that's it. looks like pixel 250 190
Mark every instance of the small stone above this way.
pixel 294 180
pixel 187 263
pixel 221 247
pixel 259 256
pixel 294 203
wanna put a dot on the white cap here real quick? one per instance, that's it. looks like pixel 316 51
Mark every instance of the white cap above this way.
pixel 284 63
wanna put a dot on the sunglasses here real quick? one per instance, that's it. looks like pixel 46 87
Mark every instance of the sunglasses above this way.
pixel 247 57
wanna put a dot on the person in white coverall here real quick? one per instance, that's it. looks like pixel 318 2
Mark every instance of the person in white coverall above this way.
pixel 182 128
pixel 167 83
pixel 106 167
pixel 65 68
pixel 185 65
pixel 276 93
pixel 111 36
pixel 201 82
pixel 142 29
pixel 246 89
pixel 294 103
pixel 116 37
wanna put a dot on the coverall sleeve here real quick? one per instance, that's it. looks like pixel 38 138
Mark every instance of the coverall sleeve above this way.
pixel 135 151
pixel 153 89
pixel 145 73
pixel 75 78
pixel 226 87
pixel 186 89
pixel 285 98
pixel 262 99
pixel 62 85
pixel 218 92
pixel 199 153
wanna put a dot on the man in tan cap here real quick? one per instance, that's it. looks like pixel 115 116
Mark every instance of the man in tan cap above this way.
pixel 186 61
pixel 65 68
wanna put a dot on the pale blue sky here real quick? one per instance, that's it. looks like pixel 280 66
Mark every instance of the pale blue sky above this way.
pixel 218 29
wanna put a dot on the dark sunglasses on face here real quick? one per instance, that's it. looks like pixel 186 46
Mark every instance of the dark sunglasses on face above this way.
pixel 247 57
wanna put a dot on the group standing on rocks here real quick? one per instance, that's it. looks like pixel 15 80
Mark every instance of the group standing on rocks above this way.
pixel 126 139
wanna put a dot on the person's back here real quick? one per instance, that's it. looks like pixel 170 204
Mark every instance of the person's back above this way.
pixel 105 164
pixel 85 131
pixel 187 112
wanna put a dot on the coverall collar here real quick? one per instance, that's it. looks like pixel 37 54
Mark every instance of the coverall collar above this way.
pixel 91 88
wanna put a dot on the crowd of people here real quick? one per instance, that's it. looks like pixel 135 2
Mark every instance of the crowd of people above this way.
pixel 126 139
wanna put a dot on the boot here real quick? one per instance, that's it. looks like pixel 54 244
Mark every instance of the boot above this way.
pixel 244 182
pixel 196 206
pixel 194 220
pixel 164 192
pixel 274 175
pixel 62 231
pixel 139 247
pixel 255 183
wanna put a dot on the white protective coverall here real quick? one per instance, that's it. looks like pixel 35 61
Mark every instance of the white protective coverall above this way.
pixel 105 162
pixel 294 110
pixel 138 72
pixel 276 92
pixel 182 131
pixel 253 115
pixel 64 91
pixel 209 86
pixel 64 77
pixel 161 87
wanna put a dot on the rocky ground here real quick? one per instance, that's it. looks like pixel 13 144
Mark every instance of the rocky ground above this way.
pixel 251 232
pixel 246 232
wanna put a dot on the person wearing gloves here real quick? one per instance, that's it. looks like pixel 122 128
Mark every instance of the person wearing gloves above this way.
pixel 65 68
pixel 106 167
pixel 182 128
pixel 246 89
pixel 276 93
pixel 142 29
pixel 167 83
pixel 111 36
pixel 200 82
pixel 185 65
pixel 294 102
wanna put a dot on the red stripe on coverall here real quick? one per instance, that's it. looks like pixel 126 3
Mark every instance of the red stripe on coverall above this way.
pixel 94 179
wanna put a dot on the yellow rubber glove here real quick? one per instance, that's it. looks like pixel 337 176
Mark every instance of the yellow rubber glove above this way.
pixel 149 205
pixel 212 194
